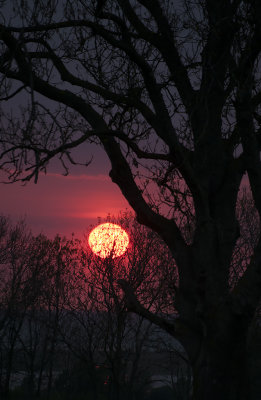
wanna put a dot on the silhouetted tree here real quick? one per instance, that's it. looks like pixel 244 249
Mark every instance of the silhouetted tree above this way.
pixel 171 91
pixel 40 339
pixel 33 271
pixel 15 266
pixel 22 267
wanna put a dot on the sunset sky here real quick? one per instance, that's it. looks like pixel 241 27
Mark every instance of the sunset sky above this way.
pixel 65 204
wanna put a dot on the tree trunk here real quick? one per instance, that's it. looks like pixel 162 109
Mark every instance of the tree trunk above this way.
pixel 221 371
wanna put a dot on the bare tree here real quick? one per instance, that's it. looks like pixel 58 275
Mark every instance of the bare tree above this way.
pixel 14 269
pixel 22 263
pixel 32 271
pixel 171 91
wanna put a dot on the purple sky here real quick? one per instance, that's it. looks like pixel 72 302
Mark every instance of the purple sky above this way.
pixel 64 204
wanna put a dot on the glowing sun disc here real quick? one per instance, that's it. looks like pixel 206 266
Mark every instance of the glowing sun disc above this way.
pixel 108 240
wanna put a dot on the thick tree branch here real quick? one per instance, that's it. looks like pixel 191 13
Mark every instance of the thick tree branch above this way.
pixel 177 152
pixel 165 43
pixel 133 305
pixel 120 173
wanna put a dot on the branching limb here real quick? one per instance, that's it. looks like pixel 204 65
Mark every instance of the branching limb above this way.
pixel 133 305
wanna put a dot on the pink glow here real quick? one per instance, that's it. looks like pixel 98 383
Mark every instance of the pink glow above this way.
pixel 58 204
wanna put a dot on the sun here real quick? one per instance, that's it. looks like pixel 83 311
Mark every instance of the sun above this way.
pixel 108 239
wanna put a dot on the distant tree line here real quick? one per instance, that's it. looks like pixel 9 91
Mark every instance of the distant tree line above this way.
pixel 64 325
